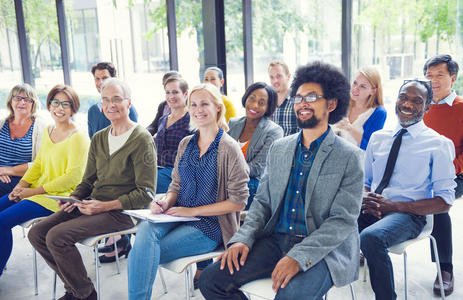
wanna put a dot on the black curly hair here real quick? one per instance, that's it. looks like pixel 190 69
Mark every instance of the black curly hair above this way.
pixel 334 85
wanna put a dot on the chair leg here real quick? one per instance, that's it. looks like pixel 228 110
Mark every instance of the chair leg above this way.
pixel 117 259
pixel 54 286
pixel 97 272
pixel 439 274
pixel 24 232
pixel 34 266
pixel 164 287
pixel 187 283
pixel 352 292
pixel 405 275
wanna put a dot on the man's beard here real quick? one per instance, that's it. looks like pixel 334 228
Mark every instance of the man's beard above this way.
pixel 310 123
pixel 418 117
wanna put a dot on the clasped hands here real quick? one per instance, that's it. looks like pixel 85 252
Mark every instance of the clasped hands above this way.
pixel 284 271
pixel 20 193
pixel 376 205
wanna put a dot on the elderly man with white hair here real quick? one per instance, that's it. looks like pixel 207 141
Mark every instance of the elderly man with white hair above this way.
pixel 120 172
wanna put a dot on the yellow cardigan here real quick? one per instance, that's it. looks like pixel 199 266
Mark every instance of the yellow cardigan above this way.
pixel 58 167
pixel 230 111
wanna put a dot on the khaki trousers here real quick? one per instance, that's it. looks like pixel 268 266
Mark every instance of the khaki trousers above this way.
pixel 55 237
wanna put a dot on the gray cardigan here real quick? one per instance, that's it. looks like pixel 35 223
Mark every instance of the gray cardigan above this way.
pixel 265 134
pixel 232 179
pixel 332 204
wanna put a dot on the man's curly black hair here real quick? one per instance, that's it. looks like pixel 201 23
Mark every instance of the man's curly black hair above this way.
pixel 334 85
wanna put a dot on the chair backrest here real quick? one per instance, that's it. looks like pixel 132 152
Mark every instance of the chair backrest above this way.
pixel 427 229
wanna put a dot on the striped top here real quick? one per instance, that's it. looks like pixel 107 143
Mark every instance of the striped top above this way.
pixel 15 152
pixel 199 185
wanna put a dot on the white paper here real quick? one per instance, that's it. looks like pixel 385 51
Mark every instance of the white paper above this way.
pixel 145 214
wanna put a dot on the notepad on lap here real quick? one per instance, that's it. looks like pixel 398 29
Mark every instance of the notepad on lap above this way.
pixel 145 214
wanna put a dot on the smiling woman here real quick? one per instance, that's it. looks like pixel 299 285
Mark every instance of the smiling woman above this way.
pixel 56 170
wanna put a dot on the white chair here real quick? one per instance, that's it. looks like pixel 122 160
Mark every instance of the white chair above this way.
pixel 401 248
pixel 185 264
pixel 93 242
pixel 24 226
pixel 262 288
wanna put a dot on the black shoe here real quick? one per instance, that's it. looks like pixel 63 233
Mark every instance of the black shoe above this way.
pixel 109 259
pixel 448 282
pixel 122 243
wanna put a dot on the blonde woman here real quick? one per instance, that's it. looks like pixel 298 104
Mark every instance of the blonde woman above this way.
pixel 366 112
pixel 21 130
pixel 209 181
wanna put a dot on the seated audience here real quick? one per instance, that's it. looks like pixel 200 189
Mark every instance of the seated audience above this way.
pixel 301 229
pixel 97 120
pixel 214 76
pixel 209 181
pixel 446 117
pixel 256 132
pixel 21 130
pixel 366 113
pixel 403 186
pixel 172 128
pixel 163 108
pixel 56 170
pixel 119 175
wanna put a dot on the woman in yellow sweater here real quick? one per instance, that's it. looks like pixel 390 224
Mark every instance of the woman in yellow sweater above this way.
pixel 56 170
pixel 214 76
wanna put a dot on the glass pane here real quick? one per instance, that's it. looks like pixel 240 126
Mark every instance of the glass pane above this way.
pixel 399 43
pixel 234 49
pixel 296 32
pixel 190 40
pixel 10 62
pixel 43 44
pixel 131 35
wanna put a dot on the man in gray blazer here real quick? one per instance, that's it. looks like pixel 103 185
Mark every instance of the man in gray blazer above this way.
pixel 301 229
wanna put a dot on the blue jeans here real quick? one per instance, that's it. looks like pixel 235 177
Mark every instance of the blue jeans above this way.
pixel 253 184
pixel 163 180
pixel 216 284
pixel 376 235
pixel 158 243
pixel 6 188
pixel 12 214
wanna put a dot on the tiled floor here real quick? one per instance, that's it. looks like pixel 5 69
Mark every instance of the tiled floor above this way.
pixel 17 281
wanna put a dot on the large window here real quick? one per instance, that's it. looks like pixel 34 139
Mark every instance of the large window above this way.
pixel 43 44
pixel 296 32
pixel 399 42
pixel 10 65
pixel 234 49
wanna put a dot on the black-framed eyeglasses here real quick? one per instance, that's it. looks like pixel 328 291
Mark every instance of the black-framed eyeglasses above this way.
pixel 113 100
pixel 310 97
pixel 25 99
pixel 64 104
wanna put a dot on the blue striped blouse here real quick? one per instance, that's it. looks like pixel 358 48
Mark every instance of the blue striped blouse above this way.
pixel 15 152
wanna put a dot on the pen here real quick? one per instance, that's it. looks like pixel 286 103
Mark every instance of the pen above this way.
pixel 153 198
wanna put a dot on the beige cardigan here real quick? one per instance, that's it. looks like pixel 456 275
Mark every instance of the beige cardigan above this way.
pixel 232 179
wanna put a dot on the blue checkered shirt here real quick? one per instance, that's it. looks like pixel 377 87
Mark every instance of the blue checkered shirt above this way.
pixel 285 116
pixel 292 219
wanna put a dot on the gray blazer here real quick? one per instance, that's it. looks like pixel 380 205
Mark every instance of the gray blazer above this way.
pixel 265 134
pixel 332 205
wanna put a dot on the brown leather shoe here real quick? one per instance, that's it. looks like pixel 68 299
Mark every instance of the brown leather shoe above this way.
pixel 92 296
pixel 67 296
pixel 447 280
